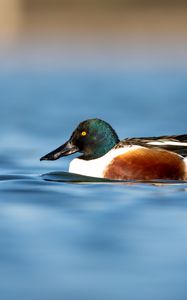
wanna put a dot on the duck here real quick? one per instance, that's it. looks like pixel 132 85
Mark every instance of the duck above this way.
pixel 104 155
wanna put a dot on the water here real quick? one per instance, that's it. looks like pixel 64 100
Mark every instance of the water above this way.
pixel 63 239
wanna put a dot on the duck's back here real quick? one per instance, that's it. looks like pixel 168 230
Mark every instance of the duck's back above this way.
pixel 174 143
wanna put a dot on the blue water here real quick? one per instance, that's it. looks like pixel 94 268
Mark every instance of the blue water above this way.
pixel 88 240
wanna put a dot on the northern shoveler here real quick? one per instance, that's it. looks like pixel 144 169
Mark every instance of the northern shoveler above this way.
pixel 104 155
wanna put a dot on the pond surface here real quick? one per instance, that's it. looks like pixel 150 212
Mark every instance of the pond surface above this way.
pixel 63 239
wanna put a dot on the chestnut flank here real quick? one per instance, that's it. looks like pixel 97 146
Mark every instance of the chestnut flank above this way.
pixel 146 164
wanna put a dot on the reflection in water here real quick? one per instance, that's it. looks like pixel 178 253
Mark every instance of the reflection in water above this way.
pixel 71 177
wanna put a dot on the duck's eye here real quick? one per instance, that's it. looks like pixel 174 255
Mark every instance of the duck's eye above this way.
pixel 83 133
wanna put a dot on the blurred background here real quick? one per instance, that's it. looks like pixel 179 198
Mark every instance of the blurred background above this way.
pixel 63 61
pixel 79 34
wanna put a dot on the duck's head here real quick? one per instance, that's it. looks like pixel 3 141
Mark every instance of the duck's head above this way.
pixel 93 138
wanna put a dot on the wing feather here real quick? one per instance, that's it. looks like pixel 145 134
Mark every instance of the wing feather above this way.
pixel 174 143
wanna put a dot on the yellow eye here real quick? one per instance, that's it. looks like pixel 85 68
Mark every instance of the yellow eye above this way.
pixel 83 133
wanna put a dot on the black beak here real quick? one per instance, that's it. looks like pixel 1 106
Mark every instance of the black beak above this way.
pixel 66 149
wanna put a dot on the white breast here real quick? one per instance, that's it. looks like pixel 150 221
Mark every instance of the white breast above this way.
pixel 96 167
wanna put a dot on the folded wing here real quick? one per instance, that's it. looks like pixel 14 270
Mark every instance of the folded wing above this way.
pixel 174 143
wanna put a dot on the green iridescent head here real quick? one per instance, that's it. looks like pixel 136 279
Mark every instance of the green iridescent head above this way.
pixel 93 138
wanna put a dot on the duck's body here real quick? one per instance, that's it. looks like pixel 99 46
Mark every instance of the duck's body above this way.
pixel 105 156
pixel 132 162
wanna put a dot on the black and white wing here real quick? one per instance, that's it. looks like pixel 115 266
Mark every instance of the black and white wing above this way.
pixel 175 143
